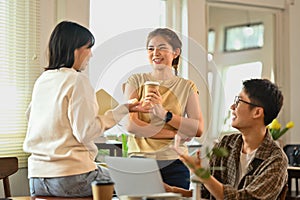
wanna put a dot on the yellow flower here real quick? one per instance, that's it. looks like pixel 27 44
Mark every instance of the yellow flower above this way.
pixel 275 128
pixel 290 124
pixel 275 125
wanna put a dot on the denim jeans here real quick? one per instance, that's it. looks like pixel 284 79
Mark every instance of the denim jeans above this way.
pixel 67 186
pixel 174 173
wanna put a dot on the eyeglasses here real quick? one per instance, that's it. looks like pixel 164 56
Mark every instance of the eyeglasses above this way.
pixel 237 100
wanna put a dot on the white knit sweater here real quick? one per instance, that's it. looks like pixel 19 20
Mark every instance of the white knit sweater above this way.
pixel 63 122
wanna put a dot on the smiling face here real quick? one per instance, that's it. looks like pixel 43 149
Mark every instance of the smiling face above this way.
pixel 243 113
pixel 160 52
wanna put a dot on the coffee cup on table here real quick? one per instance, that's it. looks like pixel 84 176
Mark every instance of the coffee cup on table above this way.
pixel 102 189
pixel 150 86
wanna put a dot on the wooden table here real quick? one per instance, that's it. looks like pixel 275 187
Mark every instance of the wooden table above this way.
pixel 48 198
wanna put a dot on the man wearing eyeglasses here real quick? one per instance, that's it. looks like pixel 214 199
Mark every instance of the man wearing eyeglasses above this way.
pixel 256 168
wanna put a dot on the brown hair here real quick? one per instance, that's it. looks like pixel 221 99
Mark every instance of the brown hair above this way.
pixel 172 38
pixel 65 38
pixel 266 94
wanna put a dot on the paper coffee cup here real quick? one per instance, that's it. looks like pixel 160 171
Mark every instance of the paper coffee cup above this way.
pixel 102 189
pixel 148 87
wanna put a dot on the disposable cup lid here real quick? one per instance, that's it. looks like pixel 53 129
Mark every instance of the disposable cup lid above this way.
pixel 103 182
pixel 151 83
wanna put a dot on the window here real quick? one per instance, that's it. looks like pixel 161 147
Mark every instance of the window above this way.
pixel 19 61
pixel 245 54
pixel 248 36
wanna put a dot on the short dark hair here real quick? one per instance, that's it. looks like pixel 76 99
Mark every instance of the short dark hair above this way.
pixel 172 39
pixel 266 94
pixel 65 38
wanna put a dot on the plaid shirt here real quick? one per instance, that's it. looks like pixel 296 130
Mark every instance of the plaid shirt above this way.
pixel 266 174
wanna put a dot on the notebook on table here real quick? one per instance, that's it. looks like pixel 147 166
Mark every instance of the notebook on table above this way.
pixel 136 177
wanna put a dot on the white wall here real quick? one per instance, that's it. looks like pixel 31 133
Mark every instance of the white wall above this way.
pixel 293 57
pixel 54 11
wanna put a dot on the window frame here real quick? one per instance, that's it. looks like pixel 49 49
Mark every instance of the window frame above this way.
pixel 241 26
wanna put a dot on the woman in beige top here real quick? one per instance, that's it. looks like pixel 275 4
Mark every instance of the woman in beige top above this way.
pixel 176 108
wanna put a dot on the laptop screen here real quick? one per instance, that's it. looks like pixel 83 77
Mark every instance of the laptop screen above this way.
pixel 135 176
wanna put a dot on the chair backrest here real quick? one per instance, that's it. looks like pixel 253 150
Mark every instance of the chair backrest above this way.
pixel 8 166
pixel 293 178
pixel 292 151
pixel 282 195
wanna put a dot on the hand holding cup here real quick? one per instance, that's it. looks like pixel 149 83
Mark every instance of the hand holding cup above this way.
pixel 150 90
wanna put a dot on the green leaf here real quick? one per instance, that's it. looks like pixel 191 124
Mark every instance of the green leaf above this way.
pixel 275 133
pixel 282 132
pixel 124 144
pixel 220 152
pixel 203 173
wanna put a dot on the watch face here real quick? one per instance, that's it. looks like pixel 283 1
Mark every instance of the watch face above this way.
pixel 169 116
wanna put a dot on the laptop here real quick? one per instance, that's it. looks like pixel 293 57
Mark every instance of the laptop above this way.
pixel 136 177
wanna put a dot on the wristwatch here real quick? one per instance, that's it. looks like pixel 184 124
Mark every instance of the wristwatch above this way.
pixel 168 117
